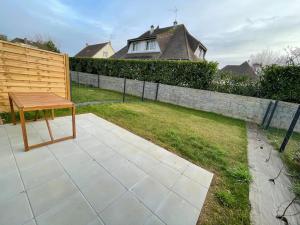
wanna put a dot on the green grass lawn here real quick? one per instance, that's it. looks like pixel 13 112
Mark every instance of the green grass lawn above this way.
pixel 292 149
pixel 216 143
pixel 81 94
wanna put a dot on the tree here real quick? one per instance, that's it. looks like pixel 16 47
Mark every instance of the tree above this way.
pixel 265 58
pixel 292 56
pixel 46 44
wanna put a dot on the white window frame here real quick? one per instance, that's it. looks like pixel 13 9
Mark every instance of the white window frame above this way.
pixel 135 46
pixel 150 45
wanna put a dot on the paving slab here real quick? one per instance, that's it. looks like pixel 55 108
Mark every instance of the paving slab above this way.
pixel 10 184
pixel 127 210
pixel 87 174
pixel 164 174
pixel 111 190
pixel 15 211
pixel 75 210
pixel 191 191
pixel 41 172
pixel 176 211
pixel 48 195
pixel 150 192
pixel 107 175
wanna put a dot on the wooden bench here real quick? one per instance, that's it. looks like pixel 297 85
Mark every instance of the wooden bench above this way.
pixel 34 101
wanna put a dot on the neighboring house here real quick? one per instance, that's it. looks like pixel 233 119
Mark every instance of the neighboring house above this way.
pixel 102 50
pixel 240 70
pixel 169 43
pixel 25 42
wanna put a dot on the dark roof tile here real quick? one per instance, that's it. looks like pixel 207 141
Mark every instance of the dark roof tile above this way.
pixel 240 70
pixel 90 50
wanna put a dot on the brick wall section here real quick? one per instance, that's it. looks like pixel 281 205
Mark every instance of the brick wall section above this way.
pixel 236 106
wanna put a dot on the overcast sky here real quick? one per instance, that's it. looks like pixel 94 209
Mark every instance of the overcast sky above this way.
pixel 232 30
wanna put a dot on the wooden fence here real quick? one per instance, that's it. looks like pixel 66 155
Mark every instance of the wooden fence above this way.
pixel 26 69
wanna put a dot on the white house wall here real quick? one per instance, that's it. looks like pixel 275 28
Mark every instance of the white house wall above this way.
pixel 142 47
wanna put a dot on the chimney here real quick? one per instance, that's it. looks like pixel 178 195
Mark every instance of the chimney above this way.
pixel 151 29
pixel 175 23
pixel 86 44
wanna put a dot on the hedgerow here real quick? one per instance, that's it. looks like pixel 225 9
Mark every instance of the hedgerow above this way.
pixel 180 73
pixel 275 82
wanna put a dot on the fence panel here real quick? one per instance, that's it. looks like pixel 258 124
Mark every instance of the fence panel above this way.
pixel 27 69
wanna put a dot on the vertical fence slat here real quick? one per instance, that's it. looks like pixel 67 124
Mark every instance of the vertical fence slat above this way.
pixel 124 89
pixel 143 93
pixel 156 94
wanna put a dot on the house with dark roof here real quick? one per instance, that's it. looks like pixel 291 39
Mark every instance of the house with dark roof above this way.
pixel 25 42
pixel 101 50
pixel 168 43
pixel 240 70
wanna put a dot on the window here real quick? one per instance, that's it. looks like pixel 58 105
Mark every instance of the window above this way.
pixel 105 54
pixel 134 46
pixel 150 45
pixel 200 53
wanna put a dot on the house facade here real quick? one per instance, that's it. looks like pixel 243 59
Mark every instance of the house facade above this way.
pixel 101 50
pixel 168 43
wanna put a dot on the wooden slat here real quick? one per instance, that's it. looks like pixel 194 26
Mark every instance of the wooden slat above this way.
pixel 29 84
pixel 13 70
pixel 27 47
pixel 7 76
pixel 22 64
pixel 24 89
pixel 67 74
pixel 26 69
pixel 30 52
pixel 17 57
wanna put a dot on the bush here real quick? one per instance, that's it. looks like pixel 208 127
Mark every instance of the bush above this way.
pixel 281 82
pixel 180 73
pixel 233 84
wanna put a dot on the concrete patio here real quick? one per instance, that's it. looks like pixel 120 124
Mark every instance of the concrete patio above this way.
pixel 107 175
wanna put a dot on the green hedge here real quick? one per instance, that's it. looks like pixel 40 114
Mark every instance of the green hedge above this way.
pixel 227 82
pixel 180 73
pixel 275 82
pixel 281 82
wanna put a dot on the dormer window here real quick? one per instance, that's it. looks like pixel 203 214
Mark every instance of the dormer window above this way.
pixel 150 45
pixel 143 46
pixel 134 46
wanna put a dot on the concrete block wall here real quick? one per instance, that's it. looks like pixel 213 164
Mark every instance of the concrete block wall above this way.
pixel 112 83
pixel 236 106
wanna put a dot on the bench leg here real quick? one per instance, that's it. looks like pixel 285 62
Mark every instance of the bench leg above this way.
pixel 12 111
pixel 52 114
pixel 48 125
pixel 24 132
pixel 73 122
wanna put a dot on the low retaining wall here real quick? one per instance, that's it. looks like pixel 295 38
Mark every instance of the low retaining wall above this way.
pixel 236 106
